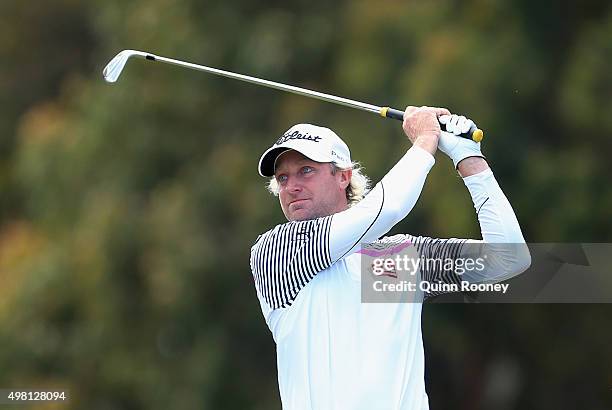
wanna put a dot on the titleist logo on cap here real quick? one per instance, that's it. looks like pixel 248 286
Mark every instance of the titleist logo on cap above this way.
pixel 296 135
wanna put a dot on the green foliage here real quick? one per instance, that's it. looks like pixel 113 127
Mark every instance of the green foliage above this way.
pixel 128 211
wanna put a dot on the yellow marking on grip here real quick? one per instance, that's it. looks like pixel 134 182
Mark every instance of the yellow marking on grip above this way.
pixel 477 135
pixel 383 111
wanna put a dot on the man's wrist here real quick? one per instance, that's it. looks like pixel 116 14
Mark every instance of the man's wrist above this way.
pixel 427 142
pixel 471 166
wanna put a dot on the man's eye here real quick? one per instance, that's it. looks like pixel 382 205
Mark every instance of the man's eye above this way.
pixel 281 178
pixel 307 170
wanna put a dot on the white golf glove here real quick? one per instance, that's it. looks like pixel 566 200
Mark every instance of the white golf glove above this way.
pixel 457 148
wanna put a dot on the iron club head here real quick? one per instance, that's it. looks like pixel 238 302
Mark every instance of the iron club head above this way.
pixel 113 69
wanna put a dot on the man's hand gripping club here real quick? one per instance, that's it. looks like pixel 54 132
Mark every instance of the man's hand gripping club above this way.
pixel 423 130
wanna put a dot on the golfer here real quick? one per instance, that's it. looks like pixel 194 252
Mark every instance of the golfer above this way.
pixel 333 351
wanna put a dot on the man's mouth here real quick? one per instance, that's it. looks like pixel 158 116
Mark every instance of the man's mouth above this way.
pixel 297 202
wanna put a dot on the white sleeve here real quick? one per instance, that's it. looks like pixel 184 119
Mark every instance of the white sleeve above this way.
pixel 496 217
pixel 385 205
pixel 502 239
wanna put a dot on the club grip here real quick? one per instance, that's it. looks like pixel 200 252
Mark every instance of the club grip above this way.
pixel 473 134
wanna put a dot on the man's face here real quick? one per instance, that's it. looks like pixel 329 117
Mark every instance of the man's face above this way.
pixel 308 189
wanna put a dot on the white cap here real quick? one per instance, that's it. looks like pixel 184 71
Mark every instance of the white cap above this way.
pixel 320 144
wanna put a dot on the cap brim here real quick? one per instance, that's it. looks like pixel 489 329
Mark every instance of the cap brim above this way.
pixel 268 159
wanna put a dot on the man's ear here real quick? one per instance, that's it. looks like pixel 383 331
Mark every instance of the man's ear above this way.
pixel 345 177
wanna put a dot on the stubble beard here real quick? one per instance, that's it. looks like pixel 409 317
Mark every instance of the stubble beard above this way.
pixel 319 210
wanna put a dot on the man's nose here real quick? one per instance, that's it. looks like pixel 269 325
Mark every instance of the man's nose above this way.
pixel 293 185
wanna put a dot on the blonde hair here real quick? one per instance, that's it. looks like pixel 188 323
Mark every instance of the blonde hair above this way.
pixel 355 191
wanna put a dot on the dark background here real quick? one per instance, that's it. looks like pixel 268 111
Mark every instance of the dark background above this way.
pixel 127 212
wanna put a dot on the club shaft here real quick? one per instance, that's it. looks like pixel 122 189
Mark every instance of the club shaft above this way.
pixel 271 84
pixel 113 69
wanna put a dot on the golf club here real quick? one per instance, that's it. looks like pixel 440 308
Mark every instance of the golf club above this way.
pixel 113 70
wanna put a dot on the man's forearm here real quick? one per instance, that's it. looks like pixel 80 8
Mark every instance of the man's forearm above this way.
pixel 427 143
pixel 471 166
pixel 497 220
pixel 508 254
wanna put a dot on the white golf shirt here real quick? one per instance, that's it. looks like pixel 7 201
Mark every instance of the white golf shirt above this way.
pixel 335 352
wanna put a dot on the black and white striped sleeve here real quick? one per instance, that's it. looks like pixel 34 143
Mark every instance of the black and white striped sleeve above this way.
pixel 286 258
pixel 431 255
pixel 437 251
